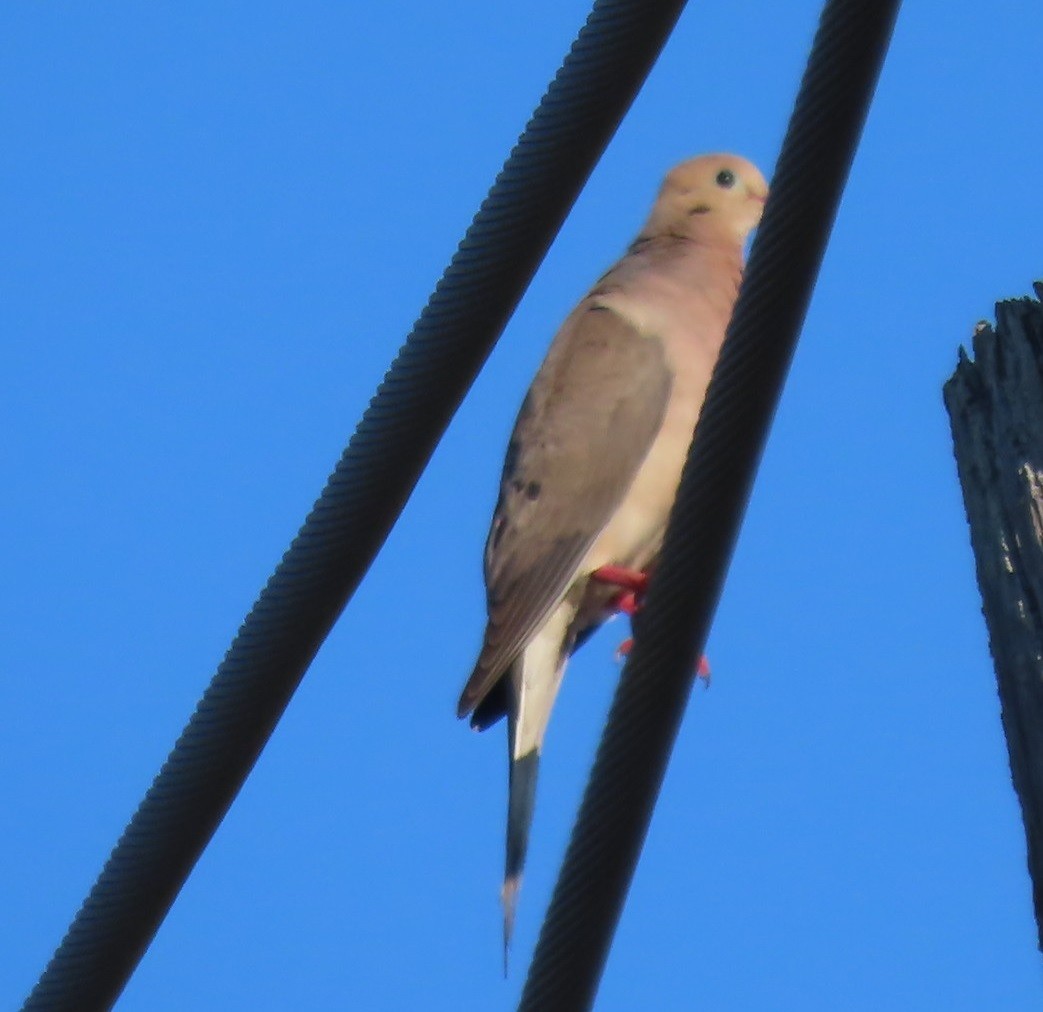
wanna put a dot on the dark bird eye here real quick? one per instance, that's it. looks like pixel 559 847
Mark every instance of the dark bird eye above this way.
pixel 726 179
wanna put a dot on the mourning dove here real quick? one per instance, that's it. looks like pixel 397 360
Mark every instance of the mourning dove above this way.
pixel 594 461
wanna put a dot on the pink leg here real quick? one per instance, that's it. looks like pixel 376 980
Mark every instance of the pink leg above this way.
pixel 632 585
pixel 629 579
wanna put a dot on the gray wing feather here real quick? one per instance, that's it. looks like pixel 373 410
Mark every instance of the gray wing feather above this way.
pixel 587 423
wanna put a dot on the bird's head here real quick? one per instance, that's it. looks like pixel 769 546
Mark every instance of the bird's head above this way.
pixel 713 195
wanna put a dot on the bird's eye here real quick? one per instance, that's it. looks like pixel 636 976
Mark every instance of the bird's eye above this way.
pixel 725 179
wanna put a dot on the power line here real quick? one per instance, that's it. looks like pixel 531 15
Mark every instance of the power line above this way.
pixel 487 276
pixel 649 704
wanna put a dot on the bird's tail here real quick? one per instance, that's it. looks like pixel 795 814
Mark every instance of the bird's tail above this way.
pixel 521 802
pixel 534 679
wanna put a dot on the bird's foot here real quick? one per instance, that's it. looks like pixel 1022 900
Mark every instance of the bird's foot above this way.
pixel 632 585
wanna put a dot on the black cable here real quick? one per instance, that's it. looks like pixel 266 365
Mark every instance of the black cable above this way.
pixel 488 274
pixel 671 629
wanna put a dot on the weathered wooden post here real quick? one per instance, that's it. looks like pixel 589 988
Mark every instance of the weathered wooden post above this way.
pixel 995 406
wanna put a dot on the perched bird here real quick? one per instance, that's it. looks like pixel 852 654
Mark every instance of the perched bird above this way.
pixel 594 461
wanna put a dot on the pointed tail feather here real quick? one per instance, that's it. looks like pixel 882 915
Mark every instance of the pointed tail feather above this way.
pixel 533 681
pixel 520 805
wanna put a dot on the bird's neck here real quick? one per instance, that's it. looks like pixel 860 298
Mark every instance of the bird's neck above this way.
pixel 692 258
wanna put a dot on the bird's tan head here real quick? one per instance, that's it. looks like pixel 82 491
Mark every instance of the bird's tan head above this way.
pixel 713 195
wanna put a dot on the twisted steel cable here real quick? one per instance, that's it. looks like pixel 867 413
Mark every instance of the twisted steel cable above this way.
pixel 649 704
pixel 493 265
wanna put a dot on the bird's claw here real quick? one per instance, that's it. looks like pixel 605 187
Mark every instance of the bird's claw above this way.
pixel 702 669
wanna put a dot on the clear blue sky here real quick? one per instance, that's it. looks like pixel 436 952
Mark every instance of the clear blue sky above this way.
pixel 219 221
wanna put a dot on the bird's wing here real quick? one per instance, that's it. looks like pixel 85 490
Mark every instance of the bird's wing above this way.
pixel 587 423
